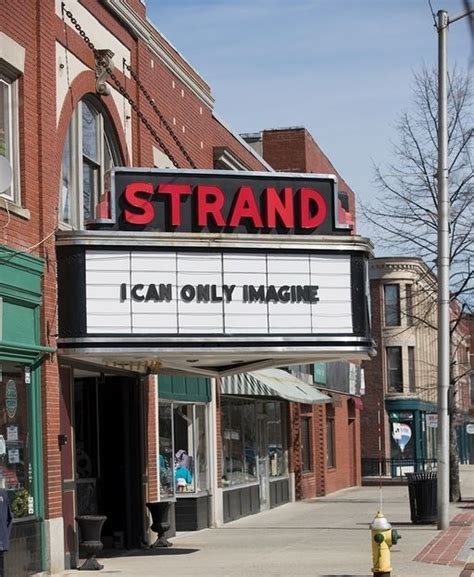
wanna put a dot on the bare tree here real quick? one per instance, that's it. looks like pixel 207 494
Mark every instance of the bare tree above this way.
pixel 405 213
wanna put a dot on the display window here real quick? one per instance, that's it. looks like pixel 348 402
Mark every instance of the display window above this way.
pixel 252 432
pixel 183 448
pixel 16 470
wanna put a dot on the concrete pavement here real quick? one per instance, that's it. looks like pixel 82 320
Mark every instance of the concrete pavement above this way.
pixel 324 537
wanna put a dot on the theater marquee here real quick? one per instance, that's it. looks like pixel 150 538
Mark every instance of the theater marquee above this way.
pixel 200 293
pixel 178 279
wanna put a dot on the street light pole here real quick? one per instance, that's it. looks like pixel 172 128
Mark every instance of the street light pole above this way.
pixel 443 278
pixel 444 339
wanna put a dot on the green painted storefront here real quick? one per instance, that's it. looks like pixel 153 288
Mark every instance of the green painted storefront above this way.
pixel 20 361
pixel 184 388
pixel 412 412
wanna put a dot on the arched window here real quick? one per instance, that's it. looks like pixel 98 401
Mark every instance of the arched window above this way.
pixel 89 154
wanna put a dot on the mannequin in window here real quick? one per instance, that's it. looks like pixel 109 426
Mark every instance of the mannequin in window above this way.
pixel 182 474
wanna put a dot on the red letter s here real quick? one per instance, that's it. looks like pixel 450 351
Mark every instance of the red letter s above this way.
pixel 147 212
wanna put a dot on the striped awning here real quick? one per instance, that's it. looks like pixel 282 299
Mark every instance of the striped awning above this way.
pixel 273 383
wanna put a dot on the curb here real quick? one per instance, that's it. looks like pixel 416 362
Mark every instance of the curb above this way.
pixel 468 567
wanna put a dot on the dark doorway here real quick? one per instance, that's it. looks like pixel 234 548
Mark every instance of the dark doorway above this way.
pixel 108 456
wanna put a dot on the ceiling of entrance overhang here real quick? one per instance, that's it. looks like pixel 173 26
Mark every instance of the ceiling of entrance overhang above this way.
pixel 204 362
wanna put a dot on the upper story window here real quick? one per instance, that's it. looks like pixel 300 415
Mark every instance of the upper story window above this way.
pixel 411 370
pixel 88 157
pixel 394 370
pixel 9 132
pixel 409 304
pixel 392 305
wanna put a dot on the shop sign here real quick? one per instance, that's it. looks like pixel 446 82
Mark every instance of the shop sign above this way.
pixel 431 420
pixel 11 398
pixel 173 292
pixel 401 434
pixel 470 429
pixel 225 201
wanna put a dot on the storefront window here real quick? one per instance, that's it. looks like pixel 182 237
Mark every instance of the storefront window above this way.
pixel 239 423
pixel 16 473
pixel 183 448
pixel 166 451
pixel 275 434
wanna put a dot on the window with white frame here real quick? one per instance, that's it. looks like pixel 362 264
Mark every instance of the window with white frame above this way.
pixel 9 133
pixel 394 370
pixel 411 370
pixel 392 305
pixel 89 154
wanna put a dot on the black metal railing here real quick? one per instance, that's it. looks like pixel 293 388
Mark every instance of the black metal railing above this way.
pixel 395 468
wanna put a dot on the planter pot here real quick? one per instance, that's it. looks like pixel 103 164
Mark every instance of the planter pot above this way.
pixel 90 528
pixel 159 511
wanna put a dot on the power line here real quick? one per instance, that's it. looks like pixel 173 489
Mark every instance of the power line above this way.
pixel 433 14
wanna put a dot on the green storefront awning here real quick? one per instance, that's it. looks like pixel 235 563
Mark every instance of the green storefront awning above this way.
pixel 273 383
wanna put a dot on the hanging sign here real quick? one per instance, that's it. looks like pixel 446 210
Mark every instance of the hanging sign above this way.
pixel 470 429
pixel 11 398
pixel 401 434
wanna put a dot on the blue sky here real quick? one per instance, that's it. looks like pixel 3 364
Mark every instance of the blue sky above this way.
pixel 341 68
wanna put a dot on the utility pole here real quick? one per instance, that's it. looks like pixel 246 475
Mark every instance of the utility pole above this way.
pixel 444 338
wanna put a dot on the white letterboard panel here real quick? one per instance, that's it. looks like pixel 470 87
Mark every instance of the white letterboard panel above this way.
pixel 178 292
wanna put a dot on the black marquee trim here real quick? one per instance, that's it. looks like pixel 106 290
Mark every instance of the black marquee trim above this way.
pixel 360 311
pixel 72 291
pixel 73 320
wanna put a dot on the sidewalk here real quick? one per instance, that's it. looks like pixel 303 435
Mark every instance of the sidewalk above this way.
pixel 325 537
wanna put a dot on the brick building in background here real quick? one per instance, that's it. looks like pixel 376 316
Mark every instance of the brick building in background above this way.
pixel 402 379
pixel 82 429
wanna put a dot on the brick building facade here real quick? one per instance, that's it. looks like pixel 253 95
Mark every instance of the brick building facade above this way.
pixel 71 116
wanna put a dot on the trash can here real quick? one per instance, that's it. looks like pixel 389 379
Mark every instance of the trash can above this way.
pixel 422 489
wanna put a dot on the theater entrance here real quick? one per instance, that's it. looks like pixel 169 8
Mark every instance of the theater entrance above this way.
pixel 108 456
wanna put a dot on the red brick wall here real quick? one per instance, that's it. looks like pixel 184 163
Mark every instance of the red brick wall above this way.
pixel 294 150
pixel 323 480
pixel 341 476
pixel 150 432
pixel 374 385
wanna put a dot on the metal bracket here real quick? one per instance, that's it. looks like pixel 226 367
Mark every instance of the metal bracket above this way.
pixel 103 67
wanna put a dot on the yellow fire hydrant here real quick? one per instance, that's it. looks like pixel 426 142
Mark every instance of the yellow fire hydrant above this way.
pixel 383 537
